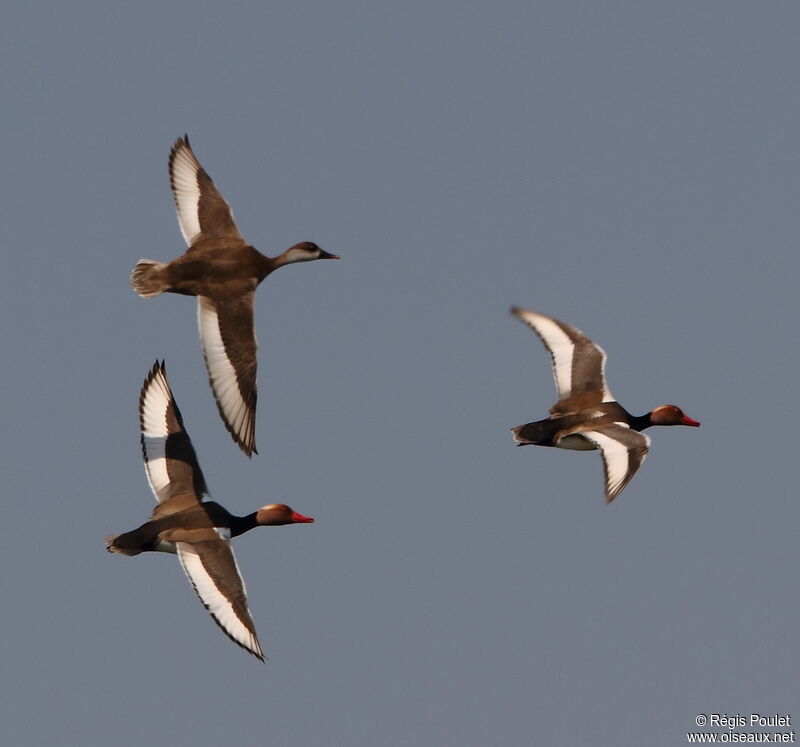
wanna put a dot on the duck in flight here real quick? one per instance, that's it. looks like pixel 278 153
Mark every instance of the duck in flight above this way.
pixel 586 415
pixel 223 271
pixel 198 531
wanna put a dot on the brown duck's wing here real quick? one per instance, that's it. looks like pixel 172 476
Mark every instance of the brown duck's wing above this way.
pixel 212 570
pixel 229 346
pixel 202 211
pixel 623 451
pixel 578 363
pixel 170 462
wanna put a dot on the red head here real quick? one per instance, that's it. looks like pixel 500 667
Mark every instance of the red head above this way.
pixel 671 415
pixel 276 514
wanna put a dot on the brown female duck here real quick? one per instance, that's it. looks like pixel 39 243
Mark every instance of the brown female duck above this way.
pixel 223 271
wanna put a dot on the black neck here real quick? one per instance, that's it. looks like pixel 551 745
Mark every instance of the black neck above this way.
pixel 640 422
pixel 242 524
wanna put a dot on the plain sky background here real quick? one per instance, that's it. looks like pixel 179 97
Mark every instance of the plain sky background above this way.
pixel 629 167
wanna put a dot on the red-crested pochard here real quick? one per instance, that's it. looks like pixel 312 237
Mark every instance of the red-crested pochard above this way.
pixel 586 415
pixel 198 531
pixel 223 271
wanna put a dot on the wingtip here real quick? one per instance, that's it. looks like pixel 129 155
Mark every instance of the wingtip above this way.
pixel 159 367
pixel 520 313
pixel 180 143
pixel 248 451
pixel 255 649
pixel 244 438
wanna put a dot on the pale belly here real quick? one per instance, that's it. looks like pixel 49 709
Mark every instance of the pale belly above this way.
pixel 575 442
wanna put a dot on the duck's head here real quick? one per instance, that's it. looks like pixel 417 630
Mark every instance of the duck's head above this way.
pixel 671 415
pixel 277 514
pixel 305 251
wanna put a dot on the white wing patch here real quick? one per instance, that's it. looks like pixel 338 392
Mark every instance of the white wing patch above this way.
pixel 621 458
pixel 220 368
pixel 155 402
pixel 215 601
pixel 560 346
pixel 607 396
pixel 187 192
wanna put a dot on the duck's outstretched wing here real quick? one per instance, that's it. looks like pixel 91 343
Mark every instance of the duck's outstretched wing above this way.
pixel 202 210
pixel 623 451
pixel 227 333
pixel 578 363
pixel 212 570
pixel 169 458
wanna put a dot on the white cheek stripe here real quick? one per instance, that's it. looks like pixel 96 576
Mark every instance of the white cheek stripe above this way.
pixel 213 599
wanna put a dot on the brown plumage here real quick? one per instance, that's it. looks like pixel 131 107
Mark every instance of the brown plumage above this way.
pixel 198 531
pixel 587 416
pixel 223 271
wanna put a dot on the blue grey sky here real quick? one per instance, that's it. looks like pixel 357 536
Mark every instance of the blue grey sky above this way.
pixel 628 167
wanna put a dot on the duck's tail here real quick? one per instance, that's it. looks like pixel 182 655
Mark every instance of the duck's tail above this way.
pixel 146 278
pixel 530 433
pixel 116 543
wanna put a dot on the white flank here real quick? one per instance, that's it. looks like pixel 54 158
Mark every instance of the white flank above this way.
pixel 220 369
pixel 155 402
pixel 616 457
pixel 214 600
pixel 560 346
pixel 186 191
pixel 576 442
